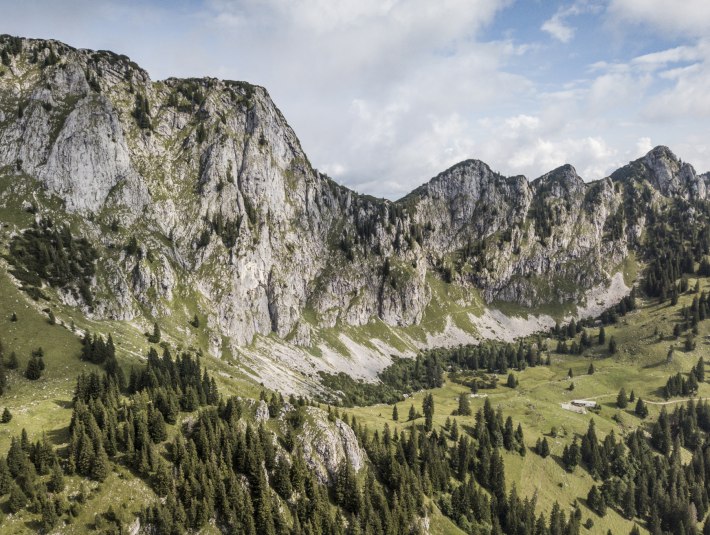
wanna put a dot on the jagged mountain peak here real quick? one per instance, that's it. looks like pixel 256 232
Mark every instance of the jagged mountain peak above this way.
pixel 561 182
pixel 665 173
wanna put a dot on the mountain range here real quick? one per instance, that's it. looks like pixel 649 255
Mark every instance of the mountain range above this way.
pixel 202 207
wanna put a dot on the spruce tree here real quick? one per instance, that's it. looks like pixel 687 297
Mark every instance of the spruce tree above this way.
pixel 428 409
pixel 56 479
pixel 596 501
pixel 512 382
pixel 412 413
pixel 629 501
pixel 49 515
pixel 621 400
pixel 17 500
pixel 395 413
pixel 13 363
pixel 641 410
pixel 602 336
pixel 34 369
pixel 156 336
pixel 612 345
pixel 156 426
pixel 699 370
pixel 464 405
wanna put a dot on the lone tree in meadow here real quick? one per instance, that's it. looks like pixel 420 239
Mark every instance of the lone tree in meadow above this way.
pixel 622 401
pixel 641 409
pixel 512 382
pixel 34 368
pixel 612 345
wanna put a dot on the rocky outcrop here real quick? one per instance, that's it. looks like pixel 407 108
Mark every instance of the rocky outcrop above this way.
pixel 326 445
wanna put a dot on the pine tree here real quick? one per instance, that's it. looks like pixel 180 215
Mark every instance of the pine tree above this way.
pixel 162 479
pixel 34 369
pixel 612 345
pixel 412 413
pixel 156 426
pixel 621 400
pixel 49 515
pixel 428 409
pixel 590 370
pixel 395 413
pixel 512 382
pixel 596 501
pixel 17 500
pixel 13 363
pixel 156 336
pixel 661 433
pixel 641 410
pixel 56 479
pixel 464 408
pixel 699 370
pixel 602 336
pixel 629 501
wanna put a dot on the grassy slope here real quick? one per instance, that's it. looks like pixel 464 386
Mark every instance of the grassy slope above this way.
pixel 640 365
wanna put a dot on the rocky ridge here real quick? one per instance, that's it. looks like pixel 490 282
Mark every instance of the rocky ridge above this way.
pixel 231 221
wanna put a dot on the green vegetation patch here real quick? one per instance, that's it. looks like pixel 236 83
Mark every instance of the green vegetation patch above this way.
pixel 51 254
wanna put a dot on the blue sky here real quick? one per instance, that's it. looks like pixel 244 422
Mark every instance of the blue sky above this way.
pixel 385 94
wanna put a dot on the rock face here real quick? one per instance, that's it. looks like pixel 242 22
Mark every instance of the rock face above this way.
pixel 231 222
pixel 326 445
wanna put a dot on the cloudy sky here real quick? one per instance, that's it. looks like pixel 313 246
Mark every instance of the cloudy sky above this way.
pixel 385 94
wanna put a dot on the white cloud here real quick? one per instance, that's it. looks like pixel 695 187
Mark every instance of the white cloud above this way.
pixel 557 25
pixel 643 146
pixel 672 55
pixel 688 16
pixel 558 29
